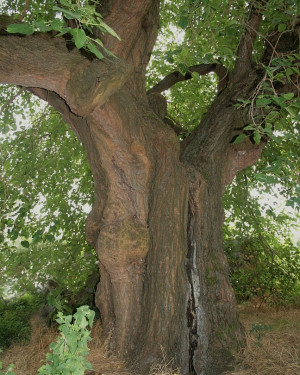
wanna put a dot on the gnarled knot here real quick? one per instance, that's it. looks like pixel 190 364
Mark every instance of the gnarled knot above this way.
pixel 158 104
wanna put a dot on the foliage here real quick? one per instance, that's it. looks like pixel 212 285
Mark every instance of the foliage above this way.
pixel 41 233
pixel 15 319
pixel 70 349
pixel 268 108
pixel 68 352
pixel 209 32
pixel 57 19
pixel 264 263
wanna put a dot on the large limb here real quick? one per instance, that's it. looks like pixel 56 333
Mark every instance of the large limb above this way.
pixel 136 22
pixel 36 61
pixel 45 62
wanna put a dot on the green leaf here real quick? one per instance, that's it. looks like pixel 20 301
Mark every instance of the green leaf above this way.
pixel 57 24
pixel 98 41
pixel 268 125
pixel 274 138
pixel 290 202
pixel 257 137
pixel 42 26
pixel 288 96
pixel 262 102
pixel 20 28
pixel 79 37
pixel 14 235
pixel 272 116
pixel 247 101
pixel 240 138
pixel 65 30
pixel 281 27
pixel 109 30
pixel 249 127
pixel 95 50
pixel 37 236
pixel 195 75
pixel 293 111
pixel 25 244
pixel 279 100
pixel 68 13
pixel 183 21
pixel 88 365
pixel 50 238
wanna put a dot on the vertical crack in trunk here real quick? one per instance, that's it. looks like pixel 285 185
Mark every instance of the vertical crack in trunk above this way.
pixel 197 322
pixel 191 313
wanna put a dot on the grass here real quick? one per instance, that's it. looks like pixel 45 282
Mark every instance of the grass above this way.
pixel 273 347
pixel 273 343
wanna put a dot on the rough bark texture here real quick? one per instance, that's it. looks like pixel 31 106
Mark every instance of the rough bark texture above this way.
pixel 156 221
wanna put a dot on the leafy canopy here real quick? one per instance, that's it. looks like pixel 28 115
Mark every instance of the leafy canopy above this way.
pixel 75 18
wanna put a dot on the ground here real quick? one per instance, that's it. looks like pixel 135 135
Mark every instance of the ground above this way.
pixel 273 347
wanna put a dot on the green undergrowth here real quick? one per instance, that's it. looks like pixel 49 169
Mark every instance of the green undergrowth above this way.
pixel 15 319
pixel 68 353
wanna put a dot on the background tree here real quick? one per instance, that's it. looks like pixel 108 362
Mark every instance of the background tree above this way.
pixel 45 184
pixel 263 259
pixel 156 221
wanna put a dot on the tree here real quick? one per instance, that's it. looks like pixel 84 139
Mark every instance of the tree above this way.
pixel 156 220
pixel 264 263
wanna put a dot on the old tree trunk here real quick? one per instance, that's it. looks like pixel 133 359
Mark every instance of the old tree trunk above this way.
pixel 156 221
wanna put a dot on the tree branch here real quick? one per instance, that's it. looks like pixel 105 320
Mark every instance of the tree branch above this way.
pixel 11 99
pixel 281 43
pixel 175 77
pixel 44 62
pixel 136 22
pixel 36 61
pixel 245 48
pixel 241 156
pixel 24 10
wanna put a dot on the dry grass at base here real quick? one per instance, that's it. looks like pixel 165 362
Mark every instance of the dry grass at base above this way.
pixel 103 362
pixel 30 357
pixel 277 352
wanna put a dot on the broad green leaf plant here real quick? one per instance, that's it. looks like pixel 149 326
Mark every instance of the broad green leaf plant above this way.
pixel 68 352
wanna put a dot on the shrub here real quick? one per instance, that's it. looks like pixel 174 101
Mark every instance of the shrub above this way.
pixel 15 319
pixel 70 349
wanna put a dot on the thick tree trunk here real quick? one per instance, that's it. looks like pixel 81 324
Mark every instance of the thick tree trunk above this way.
pixel 141 235
pixel 156 225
